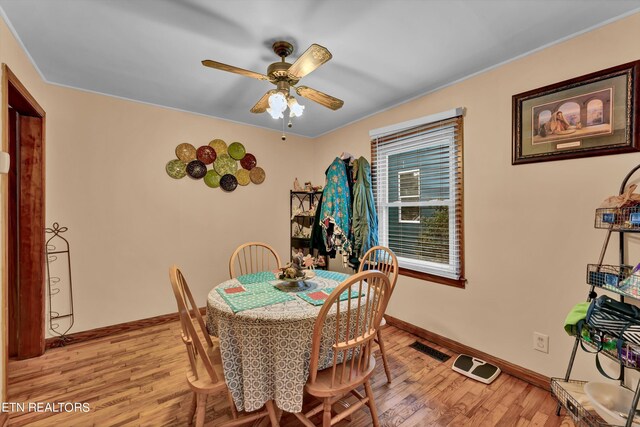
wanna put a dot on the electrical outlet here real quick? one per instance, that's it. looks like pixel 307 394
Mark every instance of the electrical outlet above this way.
pixel 541 342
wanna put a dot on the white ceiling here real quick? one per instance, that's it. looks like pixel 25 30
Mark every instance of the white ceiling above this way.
pixel 384 52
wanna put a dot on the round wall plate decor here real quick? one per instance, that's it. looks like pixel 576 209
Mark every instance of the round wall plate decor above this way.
pixel 186 152
pixel 242 175
pixel 248 161
pixel 224 165
pixel 236 150
pixel 206 154
pixel 219 145
pixel 212 179
pixel 257 175
pixel 176 168
pixel 196 169
pixel 228 182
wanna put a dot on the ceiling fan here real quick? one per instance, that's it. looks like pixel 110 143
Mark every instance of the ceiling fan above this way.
pixel 285 76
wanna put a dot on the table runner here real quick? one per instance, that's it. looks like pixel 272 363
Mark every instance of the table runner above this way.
pixel 262 276
pixel 250 296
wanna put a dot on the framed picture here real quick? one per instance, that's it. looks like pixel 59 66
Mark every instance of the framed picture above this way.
pixel 592 115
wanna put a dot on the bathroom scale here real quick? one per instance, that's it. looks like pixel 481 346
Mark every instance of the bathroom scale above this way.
pixel 475 368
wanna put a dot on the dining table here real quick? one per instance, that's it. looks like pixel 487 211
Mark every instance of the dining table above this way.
pixel 265 335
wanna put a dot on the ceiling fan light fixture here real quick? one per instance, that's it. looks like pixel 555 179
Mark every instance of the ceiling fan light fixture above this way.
pixel 277 105
pixel 295 109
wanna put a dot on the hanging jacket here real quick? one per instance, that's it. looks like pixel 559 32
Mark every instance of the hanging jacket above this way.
pixel 335 217
pixel 365 217
pixel 317 241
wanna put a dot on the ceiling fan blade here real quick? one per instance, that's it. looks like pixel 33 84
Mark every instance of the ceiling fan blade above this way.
pixel 319 97
pixel 311 59
pixel 232 69
pixel 262 105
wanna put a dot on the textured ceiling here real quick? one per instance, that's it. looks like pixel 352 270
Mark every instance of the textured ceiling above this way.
pixel 384 52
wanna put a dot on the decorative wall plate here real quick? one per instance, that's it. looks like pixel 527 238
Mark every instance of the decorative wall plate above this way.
pixel 228 182
pixel 230 165
pixel 224 165
pixel 206 154
pixel 219 145
pixel 212 179
pixel 237 150
pixel 257 175
pixel 196 169
pixel 176 168
pixel 186 152
pixel 242 175
pixel 248 161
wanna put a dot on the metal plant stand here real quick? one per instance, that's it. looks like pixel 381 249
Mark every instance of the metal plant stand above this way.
pixel 59 284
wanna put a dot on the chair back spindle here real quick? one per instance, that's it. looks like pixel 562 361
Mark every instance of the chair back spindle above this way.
pixel 253 257
pixel 382 259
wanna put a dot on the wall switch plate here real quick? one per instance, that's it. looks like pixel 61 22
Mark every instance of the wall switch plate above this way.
pixel 541 342
pixel 5 162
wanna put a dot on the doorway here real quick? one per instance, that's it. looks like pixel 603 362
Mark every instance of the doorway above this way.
pixel 23 225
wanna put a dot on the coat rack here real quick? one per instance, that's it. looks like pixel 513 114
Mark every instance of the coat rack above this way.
pixel 59 283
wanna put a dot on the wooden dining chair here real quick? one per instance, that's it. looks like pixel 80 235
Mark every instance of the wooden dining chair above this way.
pixel 253 257
pixel 205 376
pixel 354 323
pixel 384 260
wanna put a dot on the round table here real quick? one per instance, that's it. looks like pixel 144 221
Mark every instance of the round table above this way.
pixel 266 350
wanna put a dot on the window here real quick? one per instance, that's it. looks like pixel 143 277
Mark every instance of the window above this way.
pixel 417 180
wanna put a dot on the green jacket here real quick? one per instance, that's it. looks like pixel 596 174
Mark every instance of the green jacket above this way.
pixel 365 217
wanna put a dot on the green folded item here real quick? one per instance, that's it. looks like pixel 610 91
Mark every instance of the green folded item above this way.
pixel 577 313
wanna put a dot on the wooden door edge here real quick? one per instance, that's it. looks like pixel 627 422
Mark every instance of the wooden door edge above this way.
pixel 9 77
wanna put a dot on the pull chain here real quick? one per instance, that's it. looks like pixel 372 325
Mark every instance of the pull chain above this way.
pixel 284 137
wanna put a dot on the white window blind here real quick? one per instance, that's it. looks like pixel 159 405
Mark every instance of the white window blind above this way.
pixel 417 180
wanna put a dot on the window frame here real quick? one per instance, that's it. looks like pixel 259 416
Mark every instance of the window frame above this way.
pixel 400 220
pixel 456 220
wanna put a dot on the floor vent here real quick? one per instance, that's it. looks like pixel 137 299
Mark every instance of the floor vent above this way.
pixel 429 351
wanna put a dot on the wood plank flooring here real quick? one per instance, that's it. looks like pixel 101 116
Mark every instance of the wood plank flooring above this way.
pixel 137 378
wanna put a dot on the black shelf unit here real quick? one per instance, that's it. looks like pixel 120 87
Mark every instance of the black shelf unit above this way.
pixel 302 215
pixel 569 392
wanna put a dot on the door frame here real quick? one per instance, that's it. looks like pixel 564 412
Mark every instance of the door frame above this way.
pixel 14 92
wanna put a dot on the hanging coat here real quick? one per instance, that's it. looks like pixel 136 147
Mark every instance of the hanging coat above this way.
pixel 365 217
pixel 335 217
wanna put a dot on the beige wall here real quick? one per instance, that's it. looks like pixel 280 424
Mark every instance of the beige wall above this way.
pixel 128 220
pixel 528 229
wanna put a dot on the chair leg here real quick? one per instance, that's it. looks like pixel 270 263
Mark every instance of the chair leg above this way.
pixel 326 415
pixel 384 356
pixel 192 408
pixel 273 417
pixel 201 409
pixel 372 404
pixel 232 405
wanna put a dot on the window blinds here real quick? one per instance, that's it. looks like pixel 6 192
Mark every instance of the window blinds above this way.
pixel 417 180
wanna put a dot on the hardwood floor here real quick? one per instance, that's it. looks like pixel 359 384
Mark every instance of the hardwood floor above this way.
pixel 137 378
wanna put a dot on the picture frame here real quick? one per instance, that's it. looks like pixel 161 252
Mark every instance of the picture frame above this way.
pixel 592 115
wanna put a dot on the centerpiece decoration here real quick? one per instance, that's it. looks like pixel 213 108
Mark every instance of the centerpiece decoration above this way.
pixel 293 277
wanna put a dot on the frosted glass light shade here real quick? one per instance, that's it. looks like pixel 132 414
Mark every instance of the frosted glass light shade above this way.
pixel 277 105
pixel 295 109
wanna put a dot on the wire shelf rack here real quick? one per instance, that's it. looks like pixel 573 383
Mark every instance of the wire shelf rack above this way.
pixel 571 395
pixel 614 278
pixel 619 219
pixel 629 353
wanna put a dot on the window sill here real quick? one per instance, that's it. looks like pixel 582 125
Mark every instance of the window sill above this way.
pixel 456 283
